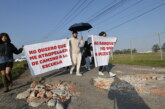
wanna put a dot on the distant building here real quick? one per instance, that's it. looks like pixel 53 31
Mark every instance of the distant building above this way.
pixel 22 58
pixel 146 52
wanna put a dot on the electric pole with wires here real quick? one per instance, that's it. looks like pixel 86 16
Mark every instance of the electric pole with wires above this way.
pixel 161 53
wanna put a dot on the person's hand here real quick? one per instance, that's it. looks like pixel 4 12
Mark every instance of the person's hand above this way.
pixel 81 37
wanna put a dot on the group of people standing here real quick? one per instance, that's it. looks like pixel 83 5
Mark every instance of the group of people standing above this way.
pixel 7 49
pixel 76 53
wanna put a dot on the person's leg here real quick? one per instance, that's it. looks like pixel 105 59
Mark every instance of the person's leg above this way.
pixel 108 67
pixel 73 62
pixel 4 79
pixel 101 70
pixel 67 68
pixel 9 75
pixel 87 59
pixel 79 57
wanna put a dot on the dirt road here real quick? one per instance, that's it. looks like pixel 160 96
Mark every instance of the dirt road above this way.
pixel 90 96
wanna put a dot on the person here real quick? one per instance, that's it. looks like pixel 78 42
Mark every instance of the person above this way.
pixel 6 59
pixel 103 34
pixel 87 54
pixel 76 55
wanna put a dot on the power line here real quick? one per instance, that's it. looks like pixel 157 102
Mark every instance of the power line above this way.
pixel 130 14
pixel 75 7
pixel 79 8
pixel 136 17
pixel 69 17
pixel 147 35
pixel 118 13
pixel 162 33
pixel 101 10
pixel 127 15
pixel 116 5
pixel 77 13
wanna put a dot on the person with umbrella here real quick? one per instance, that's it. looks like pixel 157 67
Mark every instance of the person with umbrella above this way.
pixel 103 34
pixel 6 59
pixel 75 52
pixel 75 44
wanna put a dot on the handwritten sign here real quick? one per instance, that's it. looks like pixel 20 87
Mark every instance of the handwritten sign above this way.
pixel 47 56
pixel 102 47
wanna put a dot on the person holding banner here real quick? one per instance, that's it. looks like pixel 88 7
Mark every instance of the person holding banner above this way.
pixel 103 34
pixel 6 59
pixel 76 55
pixel 87 54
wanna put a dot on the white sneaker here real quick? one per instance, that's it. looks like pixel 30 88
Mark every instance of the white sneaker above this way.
pixel 71 71
pixel 111 74
pixel 78 73
pixel 101 73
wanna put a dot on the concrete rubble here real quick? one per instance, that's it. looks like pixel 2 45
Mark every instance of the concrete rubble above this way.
pixel 140 83
pixel 23 95
pixel 51 102
pixel 53 95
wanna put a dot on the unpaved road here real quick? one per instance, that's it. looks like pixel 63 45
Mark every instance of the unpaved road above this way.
pixel 90 97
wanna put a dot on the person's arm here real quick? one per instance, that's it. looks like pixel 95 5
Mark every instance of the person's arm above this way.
pixel 81 42
pixel 15 50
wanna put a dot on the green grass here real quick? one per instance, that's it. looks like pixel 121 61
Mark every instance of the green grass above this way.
pixel 143 59
pixel 18 69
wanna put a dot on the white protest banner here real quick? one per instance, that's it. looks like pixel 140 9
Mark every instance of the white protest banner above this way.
pixel 102 47
pixel 47 56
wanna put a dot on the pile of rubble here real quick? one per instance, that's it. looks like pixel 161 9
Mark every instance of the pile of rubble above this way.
pixel 140 83
pixel 52 95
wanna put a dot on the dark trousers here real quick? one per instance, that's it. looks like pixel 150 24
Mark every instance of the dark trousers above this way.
pixel 101 68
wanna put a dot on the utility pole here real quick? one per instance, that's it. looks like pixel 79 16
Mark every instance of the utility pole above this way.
pixel 131 49
pixel 161 53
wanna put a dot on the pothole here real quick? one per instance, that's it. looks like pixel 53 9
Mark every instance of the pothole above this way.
pixel 136 83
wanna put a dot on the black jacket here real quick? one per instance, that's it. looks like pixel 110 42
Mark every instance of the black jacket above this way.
pixel 7 50
pixel 87 49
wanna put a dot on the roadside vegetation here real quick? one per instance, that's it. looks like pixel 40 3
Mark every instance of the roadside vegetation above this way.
pixel 18 69
pixel 143 59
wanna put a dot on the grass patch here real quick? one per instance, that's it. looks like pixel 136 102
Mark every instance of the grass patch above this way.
pixel 18 69
pixel 143 59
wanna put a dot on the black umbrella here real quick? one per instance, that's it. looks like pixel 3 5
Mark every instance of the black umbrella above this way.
pixel 80 27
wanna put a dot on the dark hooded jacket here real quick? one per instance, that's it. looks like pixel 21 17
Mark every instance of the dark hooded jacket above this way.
pixel 6 52
pixel 87 49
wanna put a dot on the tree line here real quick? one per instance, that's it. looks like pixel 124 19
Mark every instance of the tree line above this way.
pixel 125 51
pixel 156 47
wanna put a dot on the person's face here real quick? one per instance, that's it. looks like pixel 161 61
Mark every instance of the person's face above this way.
pixel 4 39
pixel 75 35
pixel 104 35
